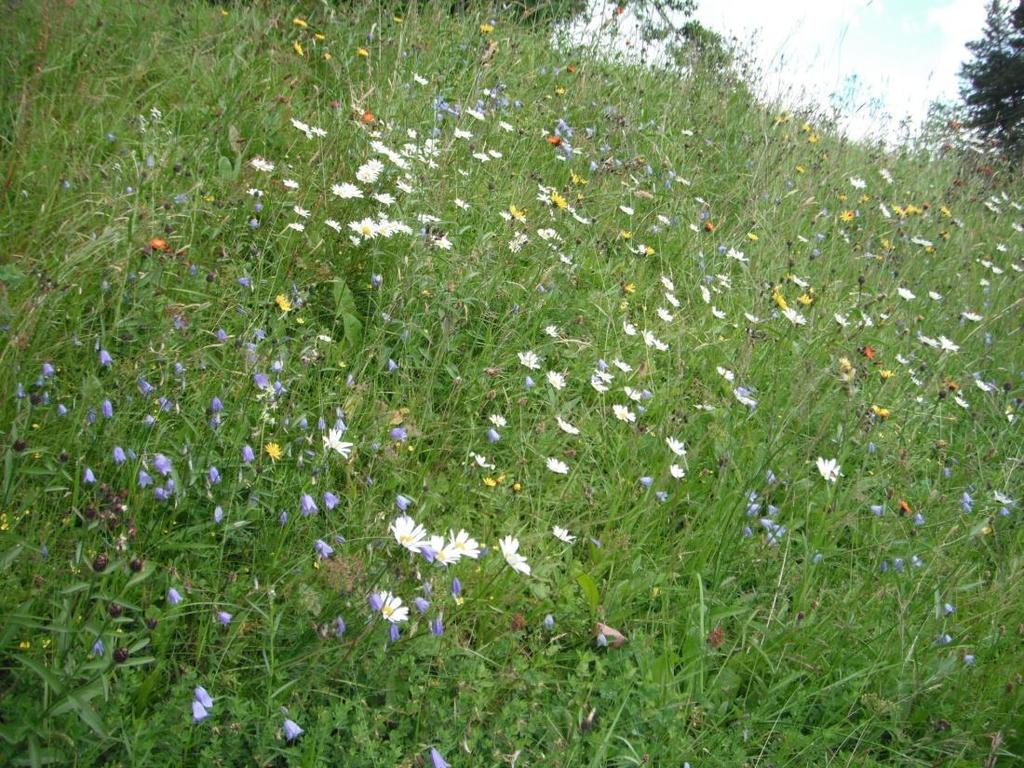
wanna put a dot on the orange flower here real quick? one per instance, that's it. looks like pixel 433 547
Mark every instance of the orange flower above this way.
pixel 554 141
pixel 157 244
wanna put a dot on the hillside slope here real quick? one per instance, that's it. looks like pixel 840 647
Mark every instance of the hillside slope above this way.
pixel 404 382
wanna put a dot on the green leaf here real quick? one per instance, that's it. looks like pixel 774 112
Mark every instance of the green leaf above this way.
pixel 44 674
pixel 589 587
pixel 226 169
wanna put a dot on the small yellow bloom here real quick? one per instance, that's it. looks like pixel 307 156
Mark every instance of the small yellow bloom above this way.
pixel 300 320
pixel 490 482
pixel 801 169
pixel 882 413
pixel 362 52
pixel 24 645
pixel 273 450
pixel 865 198
pixel 486 29
pixel 648 250
pixel 517 213
pixel 806 299
pixel 299 22
pixel 517 487
pixel 298 48
pixel 629 288
pixel 560 201
pixel 813 138
pixel 885 373
pixel 779 299
pixel 752 237
pixel 398 19
pixel 625 234
pixel 559 91
pixel 327 55
pixel 576 179
pixel 842 197
pixel 319 36
pixel 846 216
pixel 282 303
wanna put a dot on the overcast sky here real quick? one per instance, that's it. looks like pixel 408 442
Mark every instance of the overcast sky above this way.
pixel 902 53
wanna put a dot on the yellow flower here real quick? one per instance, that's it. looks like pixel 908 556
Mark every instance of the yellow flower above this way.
pixel 282 302
pixel 885 373
pixel 298 48
pixel 273 450
pixel 559 91
pixel 362 52
pixel 846 216
pixel 629 288
pixel 882 413
pixel 486 29
pixel 800 169
pixel 319 36
pixel 865 198
pixel 625 234
pixel 578 180
pixel 648 250
pixel 779 299
pixel 517 487
pixel 299 22
pixel 752 237
pixel 806 299
pixel 945 211
pixel 560 201
pixel 327 55
pixel 842 197
pixel 813 138
pixel 517 213
pixel 398 19
pixel 490 482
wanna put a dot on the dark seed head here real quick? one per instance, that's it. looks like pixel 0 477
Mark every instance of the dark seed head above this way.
pixel 121 655
pixel 20 445
pixel 115 610
pixel 63 457
pixel 101 561
pixel 151 623
pixel 136 565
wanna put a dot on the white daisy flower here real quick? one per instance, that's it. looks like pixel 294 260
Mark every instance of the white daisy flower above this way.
pixel 562 534
pixel 510 551
pixel 556 380
pixel 333 442
pixel 566 427
pixel 556 466
pixel 676 446
pixel 622 413
pixel 392 609
pixel 369 171
pixel 829 469
pixel 408 533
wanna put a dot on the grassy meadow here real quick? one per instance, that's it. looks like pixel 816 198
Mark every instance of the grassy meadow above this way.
pixel 384 387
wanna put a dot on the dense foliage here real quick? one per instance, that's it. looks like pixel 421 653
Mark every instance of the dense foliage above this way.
pixel 993 90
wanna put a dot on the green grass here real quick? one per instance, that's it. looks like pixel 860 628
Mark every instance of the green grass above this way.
pixel 812 648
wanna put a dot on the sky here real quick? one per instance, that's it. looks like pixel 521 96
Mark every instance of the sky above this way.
pixel 890 58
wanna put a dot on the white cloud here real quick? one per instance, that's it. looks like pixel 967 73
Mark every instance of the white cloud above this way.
pixel 868 58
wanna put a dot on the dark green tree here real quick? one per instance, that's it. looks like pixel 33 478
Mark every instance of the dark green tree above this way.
pixel 993 87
